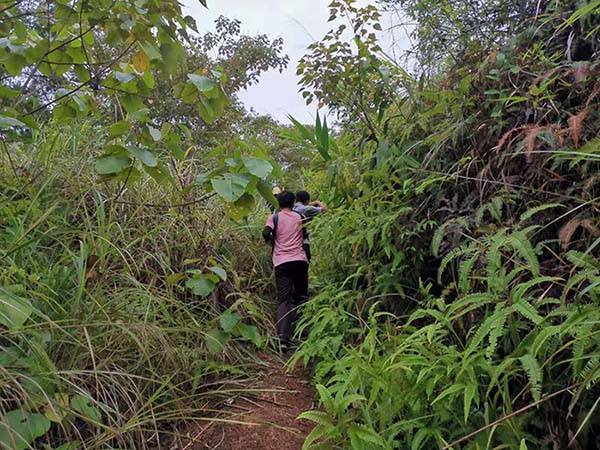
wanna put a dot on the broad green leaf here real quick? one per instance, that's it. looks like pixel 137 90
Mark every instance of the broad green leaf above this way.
pixel 83 75
pixel 106 165
pixel 206 110
pixel 155 133
pixel 14 64
pixel 241 207
pixel 160 173
pixel 132 103
pixel 57 411
pixel 200 286
pixel 230 186
pixel 119 129
pixel 63 113
pixel 143 155
pixel 202 83
pixel 19 428
pixel 150 50
pixel 7 92
pixel 169 52
pixel 257 166
pixel 228 321
pixel 266 191
pixel 14 310
pixel 216 340
pixel 124 77
pixel 86 407
pixel 219 271
pixel 250 332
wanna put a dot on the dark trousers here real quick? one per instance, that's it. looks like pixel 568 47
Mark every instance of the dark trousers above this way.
pixel 292 291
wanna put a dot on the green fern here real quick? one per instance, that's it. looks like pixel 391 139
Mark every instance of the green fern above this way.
pixel 493 322
pixel 534 374
pixel 521 244
pixel 464 249
pixel 537 209
pixel 469 303
pixel 464 272
pixel 528 311
pixel 438 236
pixel 498 329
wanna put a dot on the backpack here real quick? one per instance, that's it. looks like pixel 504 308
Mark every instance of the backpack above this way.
pixel 305 242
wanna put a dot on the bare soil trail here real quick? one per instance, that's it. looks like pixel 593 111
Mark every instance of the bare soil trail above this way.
pixel 268 413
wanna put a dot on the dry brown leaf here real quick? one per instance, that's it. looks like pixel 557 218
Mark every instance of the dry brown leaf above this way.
pixel 566 232
pixel 530 136
pixel 593 95
pixel 505 137
pixel 559 134
pixel 576 126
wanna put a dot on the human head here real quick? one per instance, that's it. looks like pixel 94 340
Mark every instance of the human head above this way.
pixel 286 199
pixel 302 197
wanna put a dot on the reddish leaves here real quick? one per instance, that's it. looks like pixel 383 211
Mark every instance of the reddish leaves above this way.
pixel 576 126
pixel 565 234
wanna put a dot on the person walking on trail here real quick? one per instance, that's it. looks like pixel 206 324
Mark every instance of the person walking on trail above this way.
pixel 308 211
pixel 286 232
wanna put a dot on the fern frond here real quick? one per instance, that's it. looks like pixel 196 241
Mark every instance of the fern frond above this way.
pixel 583 260
pixel 438 236
pixel 469 303
pixel 464 271
pixel 540 346
pixel 576 280
pixel 591 371
pixel 497 319
pixel 464 249
pixel 494 259
pixel 582 338
pixel 537 209
pixel 534 373
pixel 521 244
pixel 521 289
pixel 497 332
pixel 528 311
pixel 494 207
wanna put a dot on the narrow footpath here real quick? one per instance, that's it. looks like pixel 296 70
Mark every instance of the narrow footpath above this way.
pixel 268 414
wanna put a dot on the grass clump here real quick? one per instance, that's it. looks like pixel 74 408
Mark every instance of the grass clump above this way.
pixel 103 342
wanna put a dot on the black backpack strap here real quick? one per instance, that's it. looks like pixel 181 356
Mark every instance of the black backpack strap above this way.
pixel 275 222
pixel 305 242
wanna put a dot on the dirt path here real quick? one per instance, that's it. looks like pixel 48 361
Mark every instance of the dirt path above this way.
pixel 268 414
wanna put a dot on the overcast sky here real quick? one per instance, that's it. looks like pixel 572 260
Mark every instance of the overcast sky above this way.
pixel 299 22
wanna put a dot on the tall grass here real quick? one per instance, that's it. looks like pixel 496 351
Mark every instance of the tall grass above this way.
pixel 101 343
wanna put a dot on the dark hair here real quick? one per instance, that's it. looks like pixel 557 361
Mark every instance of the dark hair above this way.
pixel 302 196
pixel 286 199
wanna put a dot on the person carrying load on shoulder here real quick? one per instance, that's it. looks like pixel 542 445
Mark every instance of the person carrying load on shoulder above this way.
pixel 308 210
pixel 285 231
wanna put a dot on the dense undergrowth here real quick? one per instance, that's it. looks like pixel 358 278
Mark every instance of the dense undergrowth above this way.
pixel 459 269
pixel 456 273
pixel 124 313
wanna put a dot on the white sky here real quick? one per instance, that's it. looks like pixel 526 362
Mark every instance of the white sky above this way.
pixel 299 22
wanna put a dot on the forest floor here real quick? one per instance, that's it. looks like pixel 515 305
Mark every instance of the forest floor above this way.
pixel 266 414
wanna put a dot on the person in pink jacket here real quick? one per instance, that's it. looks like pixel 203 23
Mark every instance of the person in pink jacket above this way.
pixel 286 233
